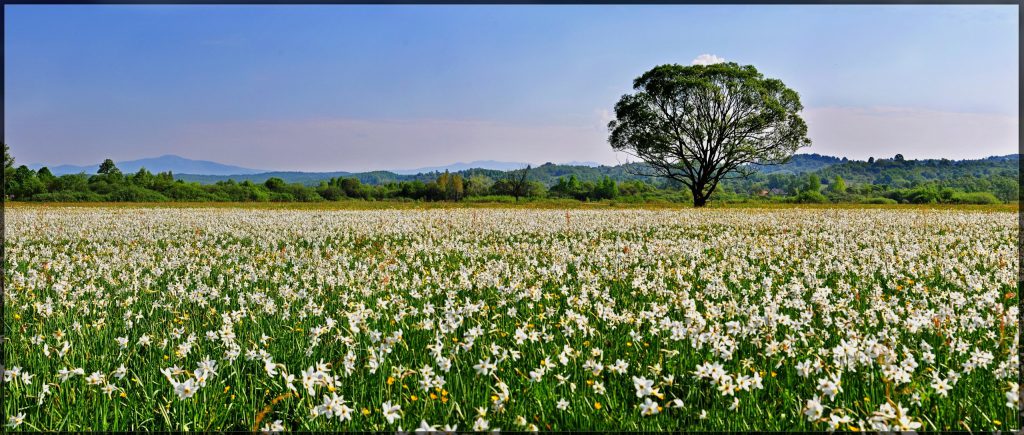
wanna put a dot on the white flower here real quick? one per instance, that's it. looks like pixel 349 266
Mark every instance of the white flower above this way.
pixel 12 374
pixel 480 424
pixel 186 389
pixel 643 386
pixel 649 407
pixel 424 427
pixel 830 386
pixel 270 367
pixel 562 404
pixel 109 389
pixel 120 372
pixel 16 420
pixel 813 409
pixel 484 367
pixel 941 387
pixel 276 426
pixel 96 378
pixel 1013 396
pixel 391 413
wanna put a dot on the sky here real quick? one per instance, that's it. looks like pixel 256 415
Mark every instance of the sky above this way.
pixel 339 87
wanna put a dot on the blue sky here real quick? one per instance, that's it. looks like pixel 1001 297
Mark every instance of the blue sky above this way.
pixel 374 87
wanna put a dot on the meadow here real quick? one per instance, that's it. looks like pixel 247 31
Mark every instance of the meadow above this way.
pixel 520 319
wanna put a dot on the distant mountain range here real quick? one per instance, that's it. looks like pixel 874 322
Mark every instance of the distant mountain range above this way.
pixel 169 162
pixel 459 166
pixel 207 172
pixel 182 165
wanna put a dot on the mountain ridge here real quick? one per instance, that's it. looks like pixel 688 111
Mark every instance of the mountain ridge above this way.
pixel 164 163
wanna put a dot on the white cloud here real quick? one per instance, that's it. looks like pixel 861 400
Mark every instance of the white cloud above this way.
pixel 862 132
pixel 707 59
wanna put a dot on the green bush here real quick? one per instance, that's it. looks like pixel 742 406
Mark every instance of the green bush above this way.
pixel 67 196
pixel 135 194
pixel 491 198
pixel 879 200
pixel 974 198
pixel 811 197
pixel 188 192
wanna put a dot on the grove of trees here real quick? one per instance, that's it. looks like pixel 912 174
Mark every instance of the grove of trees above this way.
pixel 993 180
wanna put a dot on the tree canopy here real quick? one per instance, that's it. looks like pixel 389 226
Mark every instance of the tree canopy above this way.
pixel 700 124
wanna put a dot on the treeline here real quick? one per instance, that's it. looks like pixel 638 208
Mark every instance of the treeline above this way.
pixel 883 182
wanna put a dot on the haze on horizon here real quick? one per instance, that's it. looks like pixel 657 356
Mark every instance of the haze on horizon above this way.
pixel 355 88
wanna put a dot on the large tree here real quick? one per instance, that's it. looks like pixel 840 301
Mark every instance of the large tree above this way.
pixel 517 182
pixel 701 124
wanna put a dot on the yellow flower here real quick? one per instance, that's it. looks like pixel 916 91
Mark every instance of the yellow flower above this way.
pixel 226 388
pixel 597 405
pixel 414 398
pixel 123 394
pixel 391 380
pixel 433 396
pixel 997 422
pixel 366 411
pixel 17 316
pixel 166 357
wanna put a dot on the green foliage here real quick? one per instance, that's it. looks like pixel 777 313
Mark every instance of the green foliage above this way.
pixel 974 198
pixel 508 199
pixel 884 181
pixel 699 124
pixel 838 185
pixel 811 197
pixel 108 167
pixel 879 200
pixel 135 194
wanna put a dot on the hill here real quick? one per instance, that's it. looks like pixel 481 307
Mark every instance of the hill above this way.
pixel 169 162
pixel 547 174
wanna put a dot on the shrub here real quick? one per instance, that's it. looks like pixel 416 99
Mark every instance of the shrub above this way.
pixel 135 194
pixel 974 198
pixel 811 197
pixel 879 200
pixel 491 198
pixel 67 196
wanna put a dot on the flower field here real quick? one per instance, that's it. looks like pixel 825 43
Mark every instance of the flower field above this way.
pixel 511 319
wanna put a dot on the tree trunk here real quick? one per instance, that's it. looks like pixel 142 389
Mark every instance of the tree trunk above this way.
pixel 699 198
